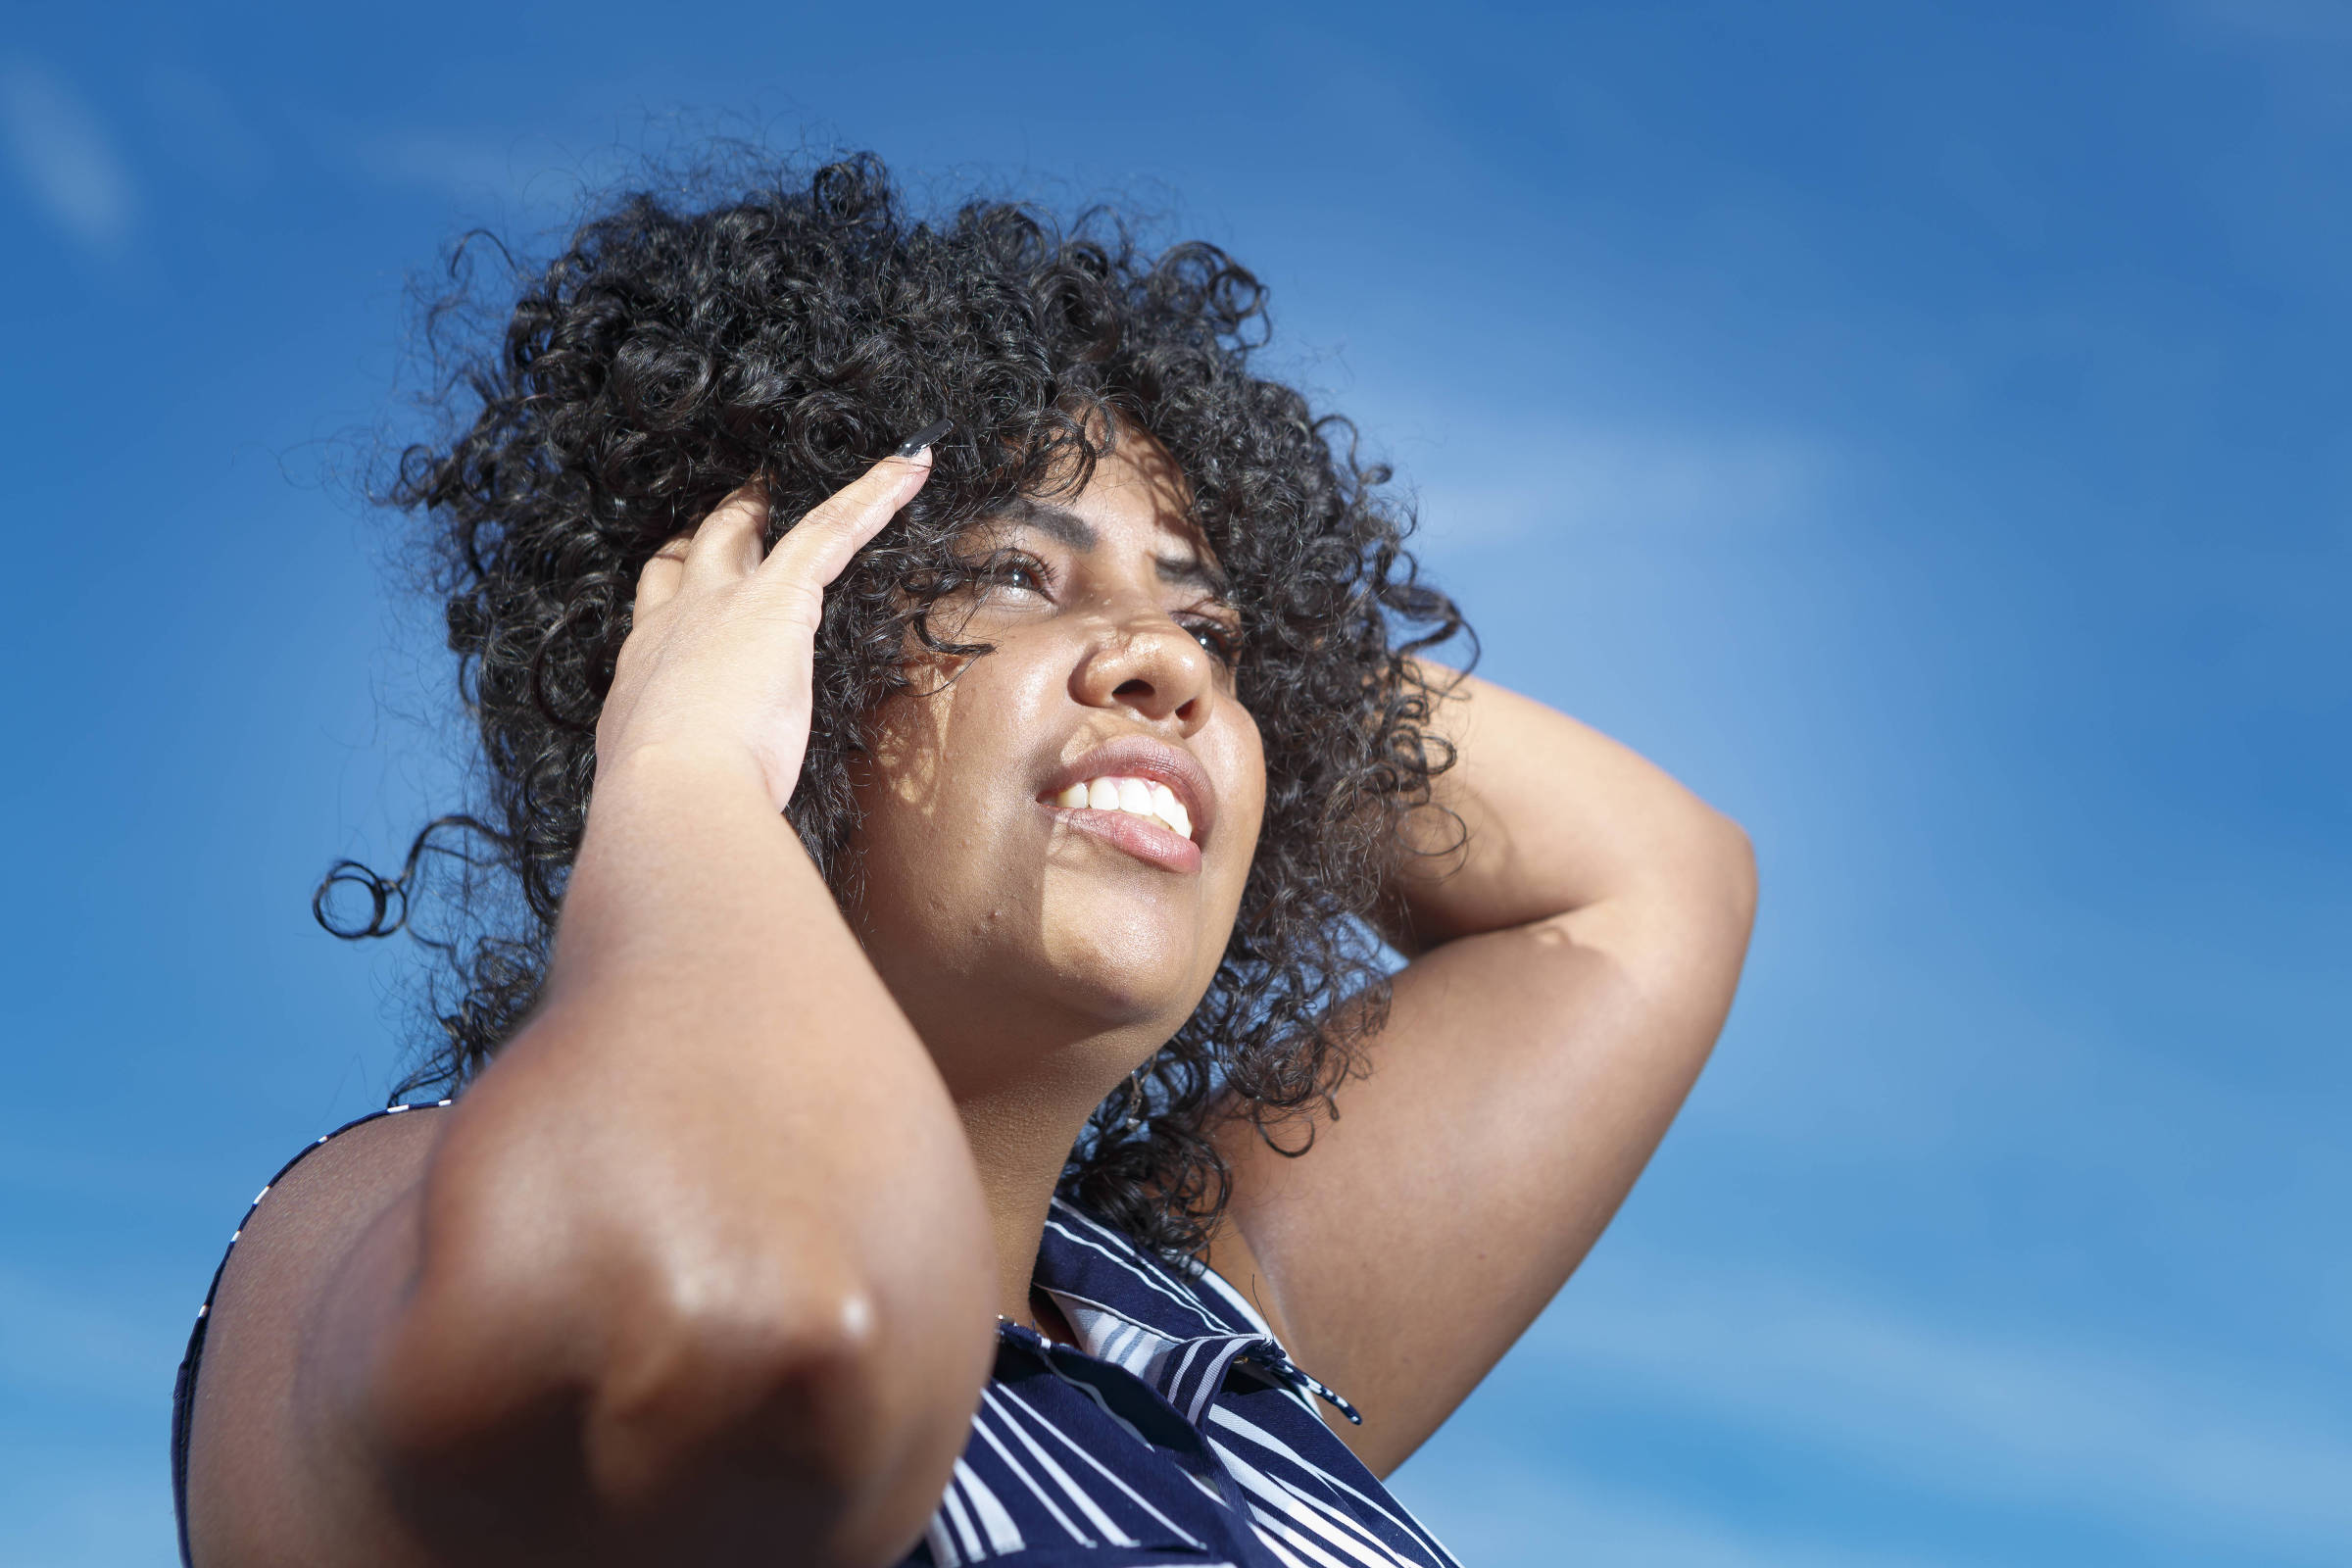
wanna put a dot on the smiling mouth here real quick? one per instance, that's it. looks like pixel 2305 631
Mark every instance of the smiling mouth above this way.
pixel 1135 796
pixel 1139 817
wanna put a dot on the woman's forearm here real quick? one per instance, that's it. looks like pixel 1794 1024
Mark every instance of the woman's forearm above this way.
pixel 674 1192
pixel 1577 921
pixel 1541 817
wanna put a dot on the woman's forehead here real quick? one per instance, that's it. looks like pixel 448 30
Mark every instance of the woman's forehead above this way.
pixel 1136 492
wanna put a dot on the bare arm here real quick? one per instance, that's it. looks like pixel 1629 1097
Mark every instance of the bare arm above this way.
pixel 1574 965
pixel 655 1290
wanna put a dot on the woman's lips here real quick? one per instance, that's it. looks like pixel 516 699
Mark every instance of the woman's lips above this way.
pixel 1136 758
pixel 1152 841
pixel 1141 791
pixel 1136 797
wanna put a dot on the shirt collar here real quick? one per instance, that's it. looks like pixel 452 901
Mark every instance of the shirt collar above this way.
pixel 1135 1311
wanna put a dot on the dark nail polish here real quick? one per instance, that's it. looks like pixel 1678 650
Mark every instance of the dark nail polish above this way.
pixel 923 437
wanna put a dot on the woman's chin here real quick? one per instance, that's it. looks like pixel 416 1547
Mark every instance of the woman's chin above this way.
pixel 1079 1016
pixel 1124 981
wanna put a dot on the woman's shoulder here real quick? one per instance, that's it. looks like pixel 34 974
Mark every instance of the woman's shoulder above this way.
pixel 337 1179
pixel 240 1364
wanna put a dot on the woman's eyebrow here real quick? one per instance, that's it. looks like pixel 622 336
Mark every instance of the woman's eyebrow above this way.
pixel 1197 571
pixel 1060 523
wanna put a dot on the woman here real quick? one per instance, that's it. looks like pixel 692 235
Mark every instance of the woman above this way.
pixel 960 1112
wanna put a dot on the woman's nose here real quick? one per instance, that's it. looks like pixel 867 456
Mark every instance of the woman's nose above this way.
pixel 1151 666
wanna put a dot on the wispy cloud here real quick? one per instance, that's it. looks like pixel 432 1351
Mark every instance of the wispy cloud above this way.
pixel 454 165
pixel 1585 479
pixel 2148 1444
pixel 63 157
pixel 528 176
pixel 2291 22
pixel 1488 1509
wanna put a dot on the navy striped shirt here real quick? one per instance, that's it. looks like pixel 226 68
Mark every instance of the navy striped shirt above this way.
pixel 1178 1431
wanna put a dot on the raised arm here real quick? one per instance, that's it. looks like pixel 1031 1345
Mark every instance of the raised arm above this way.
pixel 699 1269
pixel 1572 965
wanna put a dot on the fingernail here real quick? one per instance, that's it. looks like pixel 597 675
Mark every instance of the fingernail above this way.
pixel 913 445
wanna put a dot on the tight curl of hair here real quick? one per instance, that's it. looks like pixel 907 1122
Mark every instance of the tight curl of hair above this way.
pixel 790 332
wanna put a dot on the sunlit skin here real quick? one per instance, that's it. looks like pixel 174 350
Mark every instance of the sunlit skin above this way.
pixel 705 1267
pixel 1006 930
pixel 1040 961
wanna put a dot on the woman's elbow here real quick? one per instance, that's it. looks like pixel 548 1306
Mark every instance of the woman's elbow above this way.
pixel 797 1409
pixel 1699 875
pixel 709 1435
pixel 1730 858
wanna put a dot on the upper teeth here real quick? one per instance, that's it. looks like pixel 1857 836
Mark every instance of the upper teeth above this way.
pixel 1139 796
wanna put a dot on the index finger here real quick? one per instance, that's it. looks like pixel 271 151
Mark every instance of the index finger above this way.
pixel 814 550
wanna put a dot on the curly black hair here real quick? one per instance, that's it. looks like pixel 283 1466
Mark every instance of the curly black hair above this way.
pixel 792 331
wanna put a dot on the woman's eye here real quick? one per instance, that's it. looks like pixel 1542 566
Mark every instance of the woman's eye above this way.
pixel 1217 638
pixel 1014 571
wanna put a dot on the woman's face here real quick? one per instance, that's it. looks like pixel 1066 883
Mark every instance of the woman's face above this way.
pixel 1056 834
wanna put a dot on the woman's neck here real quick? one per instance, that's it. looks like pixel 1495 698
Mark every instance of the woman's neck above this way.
pixel 1021 1134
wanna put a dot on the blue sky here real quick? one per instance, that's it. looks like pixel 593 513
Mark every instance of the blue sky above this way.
pixel 1922 429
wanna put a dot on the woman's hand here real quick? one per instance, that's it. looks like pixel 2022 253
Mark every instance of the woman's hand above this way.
pixel 719 659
